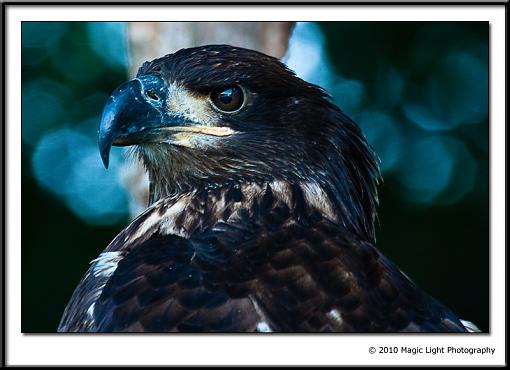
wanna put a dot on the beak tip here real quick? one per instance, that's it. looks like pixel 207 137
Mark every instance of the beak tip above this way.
pixel 105 163
pixel 105 144
pixel 105 155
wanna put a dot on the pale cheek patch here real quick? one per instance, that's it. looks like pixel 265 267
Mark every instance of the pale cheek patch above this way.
pixel 191 106
pixel 182 139
pixel 196 141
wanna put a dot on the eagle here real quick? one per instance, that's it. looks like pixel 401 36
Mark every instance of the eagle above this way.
pixel 262 204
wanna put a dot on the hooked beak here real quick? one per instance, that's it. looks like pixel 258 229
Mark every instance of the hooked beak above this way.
pixel 132 113
pixel 136 113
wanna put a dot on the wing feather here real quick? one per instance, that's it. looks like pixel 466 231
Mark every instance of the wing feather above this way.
pixel 245 276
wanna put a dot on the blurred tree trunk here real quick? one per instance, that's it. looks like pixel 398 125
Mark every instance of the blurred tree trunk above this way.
pixel 150 40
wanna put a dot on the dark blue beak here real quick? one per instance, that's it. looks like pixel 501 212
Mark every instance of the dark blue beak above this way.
pixel 132 112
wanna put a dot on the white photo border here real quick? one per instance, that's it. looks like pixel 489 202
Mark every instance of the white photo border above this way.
pixel 235 349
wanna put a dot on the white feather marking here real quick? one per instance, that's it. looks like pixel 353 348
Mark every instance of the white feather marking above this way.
pixel 167 219
pixel 164 222
pixel 106 264
pixel 146 225
pixel 281 191
pixel 335 315
pixel 263 327
pixel 470 327
pixel 316 198
pixel 90 310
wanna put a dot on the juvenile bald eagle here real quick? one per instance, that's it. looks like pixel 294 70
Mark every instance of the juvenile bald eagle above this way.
pixel 261 217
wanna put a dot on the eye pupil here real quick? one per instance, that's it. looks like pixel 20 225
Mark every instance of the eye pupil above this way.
pixel 228 99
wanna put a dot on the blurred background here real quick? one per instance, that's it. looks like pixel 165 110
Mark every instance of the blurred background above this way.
pixel 419 91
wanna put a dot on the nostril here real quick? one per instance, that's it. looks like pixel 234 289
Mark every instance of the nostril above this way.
pixel 151 94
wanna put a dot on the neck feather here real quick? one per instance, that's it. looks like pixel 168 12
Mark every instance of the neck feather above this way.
pixel 202 208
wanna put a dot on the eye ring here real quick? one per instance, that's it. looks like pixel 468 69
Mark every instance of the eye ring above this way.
pixel 152 95
pixel 228 99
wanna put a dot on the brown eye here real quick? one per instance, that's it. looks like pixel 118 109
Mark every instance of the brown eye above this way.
pixel 151 94
pixel 228 99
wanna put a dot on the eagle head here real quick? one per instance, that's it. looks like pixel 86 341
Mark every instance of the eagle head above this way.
pixel 214 115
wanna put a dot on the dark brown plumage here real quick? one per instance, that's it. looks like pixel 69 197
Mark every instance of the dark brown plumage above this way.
pixel 262 213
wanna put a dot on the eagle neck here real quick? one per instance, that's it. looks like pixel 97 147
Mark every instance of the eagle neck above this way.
pixel 195 210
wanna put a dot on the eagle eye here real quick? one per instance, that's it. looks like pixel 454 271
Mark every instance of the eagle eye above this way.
pixel 228 99
pixel 151 94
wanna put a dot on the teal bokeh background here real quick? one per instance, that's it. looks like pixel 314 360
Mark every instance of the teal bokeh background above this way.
pixel 418 90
